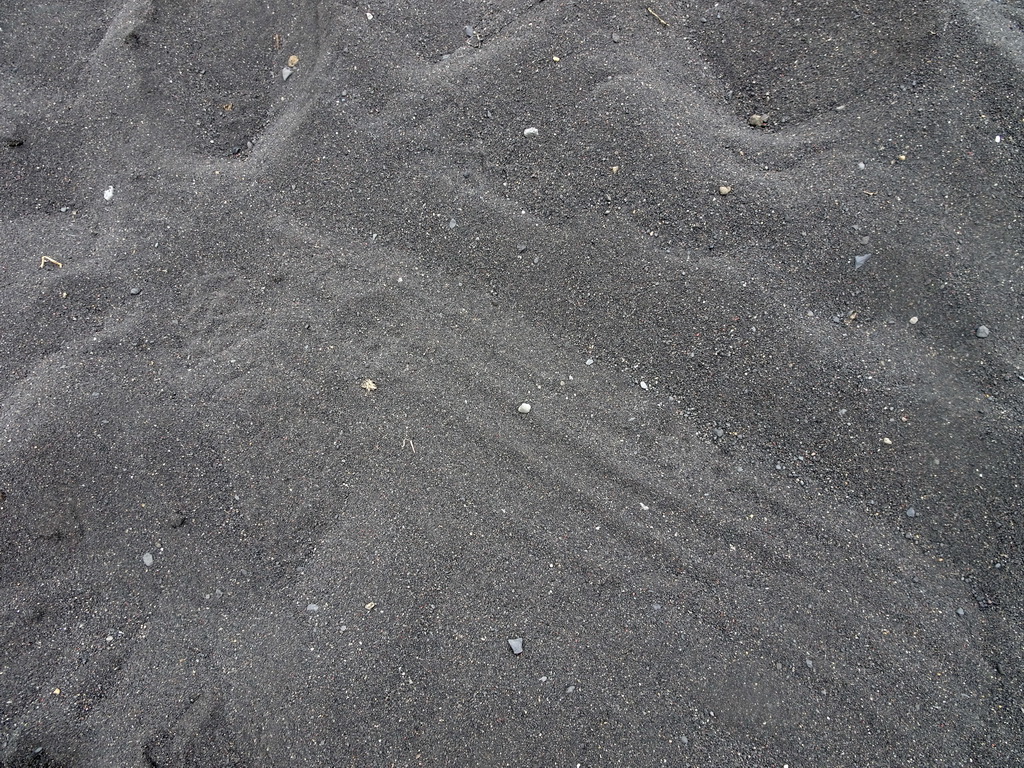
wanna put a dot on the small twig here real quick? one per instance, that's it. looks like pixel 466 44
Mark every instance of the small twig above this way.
pixel 660 20
pixel 47 260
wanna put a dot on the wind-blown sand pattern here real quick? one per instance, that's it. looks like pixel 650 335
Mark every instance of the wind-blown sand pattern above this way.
pixel 267 494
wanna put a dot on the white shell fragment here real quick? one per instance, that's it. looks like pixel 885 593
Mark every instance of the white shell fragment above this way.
pixel 524 408
pixel 108 194
pixel 147 559
pixel 287 72
pixel 516 644
pixel 531 132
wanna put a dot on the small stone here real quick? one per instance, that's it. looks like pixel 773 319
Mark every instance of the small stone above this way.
pixel 644 386
pixel 108 194
pixel 287 72
pixel 616 38
pixel 135 291
pixel 860 261
pixel 531 132
pixel 590 361
pixel 724 190
pixel 861 166
pixel 520 247
pixel 809 663
pixel 370 606
pixel 757 121
pixel 516 644
pixel 570 689
pixel 911 512
pixel 719 432
pixel 959 611
pixel 147 559
pixel 312 607
pixel 470 32
pixel 177 520
pixel 982 332
pixel 524 408
pixel 452 224
pixel 886 441
pixel 914 320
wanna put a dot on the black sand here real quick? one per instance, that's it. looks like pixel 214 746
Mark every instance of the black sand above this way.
pixel 219 550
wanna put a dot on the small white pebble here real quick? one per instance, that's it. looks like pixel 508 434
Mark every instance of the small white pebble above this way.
pixel 913 320
pixel 531 132
pixel 524 408
pixel 147 559
pixel 887 441
pixel 108 194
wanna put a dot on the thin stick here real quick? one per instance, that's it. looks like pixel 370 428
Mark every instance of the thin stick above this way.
pixel 660 20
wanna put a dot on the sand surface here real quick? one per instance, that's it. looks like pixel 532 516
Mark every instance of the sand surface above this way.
pixel 267 497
